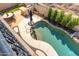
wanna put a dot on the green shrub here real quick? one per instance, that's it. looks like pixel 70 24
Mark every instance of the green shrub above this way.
pixel 49 13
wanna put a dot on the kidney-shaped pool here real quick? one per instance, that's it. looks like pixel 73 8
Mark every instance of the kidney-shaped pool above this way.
pixel 57 38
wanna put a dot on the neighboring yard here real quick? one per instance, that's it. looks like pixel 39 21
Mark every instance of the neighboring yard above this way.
pixel 12 9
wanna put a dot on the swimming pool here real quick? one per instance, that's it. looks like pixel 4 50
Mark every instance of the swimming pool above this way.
pixel 58 39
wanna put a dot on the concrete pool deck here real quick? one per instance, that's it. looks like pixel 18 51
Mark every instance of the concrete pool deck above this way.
pixel 40 48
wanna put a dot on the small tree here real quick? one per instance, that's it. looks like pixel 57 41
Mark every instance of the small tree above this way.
pixel 54 14
pixel 70 23
pixel 66 19
pixel 73 22
pixel 60 16
pixel 77 21
pixel 49 13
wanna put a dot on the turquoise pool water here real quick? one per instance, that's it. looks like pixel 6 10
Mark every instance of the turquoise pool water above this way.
pixel 58 39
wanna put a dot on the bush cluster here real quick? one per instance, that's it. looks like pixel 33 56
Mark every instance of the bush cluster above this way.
pixel 65 20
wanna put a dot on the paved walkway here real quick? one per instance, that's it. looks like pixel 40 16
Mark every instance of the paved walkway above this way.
pixel 41 48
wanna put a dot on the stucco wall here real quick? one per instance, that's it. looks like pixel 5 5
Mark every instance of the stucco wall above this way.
pixel 6 5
